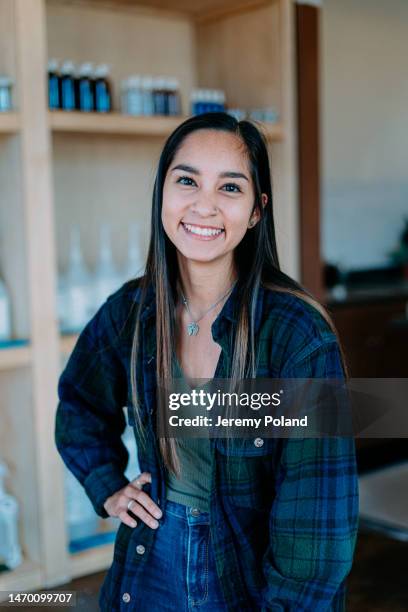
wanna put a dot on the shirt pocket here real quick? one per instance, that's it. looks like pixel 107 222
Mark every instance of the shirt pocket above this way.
pixel 246 471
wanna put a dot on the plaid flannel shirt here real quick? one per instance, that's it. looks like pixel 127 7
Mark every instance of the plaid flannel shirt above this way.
pixel 284 526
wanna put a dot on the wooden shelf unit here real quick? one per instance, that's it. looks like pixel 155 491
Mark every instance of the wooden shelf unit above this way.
pixel 119 124
pixel 9 123
pixel 60 168
pixel 15 357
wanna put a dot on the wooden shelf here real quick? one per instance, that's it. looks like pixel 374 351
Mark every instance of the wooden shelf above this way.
pixel 25 577
pixel 9 123
pixel 116 123
pixel 15 357
pixel 198 10
pixel 90 561
pixel 67 343
pixel 112 123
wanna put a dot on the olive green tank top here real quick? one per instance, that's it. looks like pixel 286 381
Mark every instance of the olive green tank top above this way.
pixel 193 486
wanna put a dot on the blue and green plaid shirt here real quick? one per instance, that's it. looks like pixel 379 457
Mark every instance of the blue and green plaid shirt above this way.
pixel 284 524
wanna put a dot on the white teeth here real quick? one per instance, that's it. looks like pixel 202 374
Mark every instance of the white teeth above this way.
pixel 202 232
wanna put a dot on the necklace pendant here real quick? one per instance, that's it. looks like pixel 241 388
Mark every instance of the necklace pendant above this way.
pixel 192 329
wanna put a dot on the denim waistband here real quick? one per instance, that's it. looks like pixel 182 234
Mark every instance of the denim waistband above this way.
pixel 191 514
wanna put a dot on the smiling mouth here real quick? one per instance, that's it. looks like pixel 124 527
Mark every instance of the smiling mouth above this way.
pixel 205 232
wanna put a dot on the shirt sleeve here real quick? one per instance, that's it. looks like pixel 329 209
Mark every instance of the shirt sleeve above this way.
pixel 90 421
pixel 314 517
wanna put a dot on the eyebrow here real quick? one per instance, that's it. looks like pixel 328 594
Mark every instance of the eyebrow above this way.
pixel 227 174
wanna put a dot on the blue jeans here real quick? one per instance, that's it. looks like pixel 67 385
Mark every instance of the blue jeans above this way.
pixel 180 573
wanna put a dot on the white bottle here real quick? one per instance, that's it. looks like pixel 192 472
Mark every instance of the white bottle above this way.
pixel 134 101
pixel 10 550
pixel 5 313
pixel 135 263
pixel 106 279
pixel 78 285
pixel 147 89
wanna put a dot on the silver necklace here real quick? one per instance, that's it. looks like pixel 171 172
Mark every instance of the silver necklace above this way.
pixel 193 328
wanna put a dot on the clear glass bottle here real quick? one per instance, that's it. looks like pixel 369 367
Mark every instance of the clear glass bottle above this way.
pixel 78 286
pixel 5 313
pixel 174 106
pixel 10 550
pixel 106 279
pixel 5 94
pixel 134 98
pixel 135 261
pixel 147 91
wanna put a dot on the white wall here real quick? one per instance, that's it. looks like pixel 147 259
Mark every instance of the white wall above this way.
pixel 364 103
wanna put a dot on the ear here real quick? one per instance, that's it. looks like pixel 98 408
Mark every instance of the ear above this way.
pixel 255 215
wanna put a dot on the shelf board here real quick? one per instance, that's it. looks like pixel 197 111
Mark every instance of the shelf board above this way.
pixel 15 357
pixel 112 123
pixel 116 123
pixel 90 561
pixel 9 123
pixel 199 9
pixel 67 343
pixel 25 577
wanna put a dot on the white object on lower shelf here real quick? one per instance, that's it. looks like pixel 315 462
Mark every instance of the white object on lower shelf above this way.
pixel 10 551
pixel 383 497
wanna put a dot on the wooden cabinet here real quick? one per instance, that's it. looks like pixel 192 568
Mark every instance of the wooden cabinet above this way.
pixel 365 328
pixel 59 169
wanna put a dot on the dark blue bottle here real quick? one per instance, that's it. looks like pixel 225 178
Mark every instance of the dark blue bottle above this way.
pixel 67 86
pixel 85 88
pixel 53 85
pixel 102 89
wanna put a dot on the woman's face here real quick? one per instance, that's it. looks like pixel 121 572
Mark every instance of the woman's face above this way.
pixel 208 195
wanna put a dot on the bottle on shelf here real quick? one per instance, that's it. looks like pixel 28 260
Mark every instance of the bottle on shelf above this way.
pixel 133 96
pixel 6 104
pixel 81 518
pixel 5 313
pixel 135 262
pixel 67 86
pixel 53 85
pixel 75 289
pixel 102 89
pixel 106 279
pixel 160 95
pixel 10 550
pixel 85 88
pixel 147 92
pixel 174 106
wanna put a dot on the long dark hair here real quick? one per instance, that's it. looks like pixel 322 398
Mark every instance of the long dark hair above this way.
pixel 256 261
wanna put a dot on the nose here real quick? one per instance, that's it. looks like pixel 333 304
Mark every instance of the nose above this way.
pixel 205 205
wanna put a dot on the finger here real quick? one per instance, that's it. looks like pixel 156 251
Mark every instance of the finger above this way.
pixel 146 501
pixel 127 519
pixel 140 512
pixel 142 479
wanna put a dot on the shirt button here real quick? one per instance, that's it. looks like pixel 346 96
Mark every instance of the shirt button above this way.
pixel 258 442
pixel 140 549
pixel 126 597
pixel 195 512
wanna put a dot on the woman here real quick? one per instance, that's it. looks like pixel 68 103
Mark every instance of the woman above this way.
pixel 269 524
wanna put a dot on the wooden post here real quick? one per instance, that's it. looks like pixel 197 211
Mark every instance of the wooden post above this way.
pixel 307 39
pixel 41 263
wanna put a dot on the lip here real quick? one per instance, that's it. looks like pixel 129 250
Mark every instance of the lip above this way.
pixel 202 226
pixel 198 237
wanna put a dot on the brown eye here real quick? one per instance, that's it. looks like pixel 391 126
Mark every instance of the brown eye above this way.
pixel 185 178
pixel 235 188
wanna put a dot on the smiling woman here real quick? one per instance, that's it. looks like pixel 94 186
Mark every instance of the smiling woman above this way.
pixel 211 523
